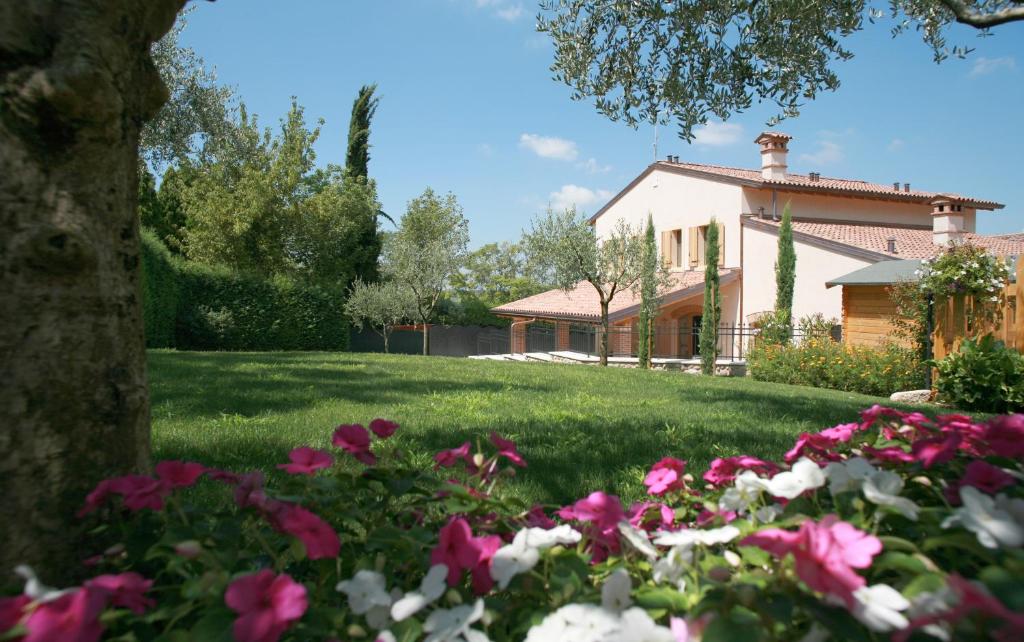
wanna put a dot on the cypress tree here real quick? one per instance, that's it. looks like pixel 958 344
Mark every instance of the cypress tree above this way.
pixel 357 161
pixel 785 276
pixel 712 303
pixel 648 295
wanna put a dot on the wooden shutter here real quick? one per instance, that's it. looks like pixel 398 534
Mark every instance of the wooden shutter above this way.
pixel 721 245
pixel 666 248
pixel 694 248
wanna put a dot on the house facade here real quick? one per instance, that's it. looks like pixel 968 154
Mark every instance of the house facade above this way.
pixel 839 226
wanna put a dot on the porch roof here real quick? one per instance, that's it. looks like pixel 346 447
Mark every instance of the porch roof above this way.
pixel 582 303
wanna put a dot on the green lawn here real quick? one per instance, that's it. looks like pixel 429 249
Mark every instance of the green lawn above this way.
pixel 580 428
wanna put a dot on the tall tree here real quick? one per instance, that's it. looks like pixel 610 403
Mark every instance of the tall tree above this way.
pixel 428 248
pixel 785 276
pixel 494 274
pixel 567 242
pixel 357 161
pixel 648 60
pixel 648 295
pixel 76 84
pixel 712 303
pixel 381 305
pixel 198 109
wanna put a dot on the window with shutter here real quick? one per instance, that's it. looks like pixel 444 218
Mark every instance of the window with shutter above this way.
pixel 694 247
pixel 721 245
pixel 666 248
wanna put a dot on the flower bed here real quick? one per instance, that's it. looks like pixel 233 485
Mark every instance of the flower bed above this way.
pixel 895 525
pixel 824 363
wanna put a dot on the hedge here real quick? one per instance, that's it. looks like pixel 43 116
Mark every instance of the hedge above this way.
pixel 196 307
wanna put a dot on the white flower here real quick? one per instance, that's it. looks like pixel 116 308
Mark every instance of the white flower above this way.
pixel 546 538
pixel 365 590
pixel 512 559
pixel 883 488
pixel 933 603
pixel 615 591
pixel 638 540
pixel 671 567
pixel 732 558
pixel 379 617
pixel 879 606
pixel 848 475
pixel 803 476
pixel 575 623
pixel 817 633
pixel 452 625
pixel 746 491
pixel 35 589
pixel 995 526
pixel 385 636
pixel 636 625
pixel 768 514
pixel 431 588
pixel 691 536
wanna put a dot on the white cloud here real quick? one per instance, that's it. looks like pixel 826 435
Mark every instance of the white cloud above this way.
pixel 896 144
pixel 591 166
pixel 717 134
pixel 511 13
pixel 549 147
pixel 984 66
pixel 828 153
pixel 570 195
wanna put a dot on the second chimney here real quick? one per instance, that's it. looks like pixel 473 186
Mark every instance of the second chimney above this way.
pixel 947 220
pixel 773 155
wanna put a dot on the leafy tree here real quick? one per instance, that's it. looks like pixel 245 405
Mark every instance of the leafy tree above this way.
pixel 76 85
pixel 648 295
pixel 712 303
pixel 357 160
pixel 428 248
pixel 694 59
pixel 569 244
pixel 381 305
pixel 785 277
pixel 494 274
pixel 198 110
pixel 161 210
pixel 259 205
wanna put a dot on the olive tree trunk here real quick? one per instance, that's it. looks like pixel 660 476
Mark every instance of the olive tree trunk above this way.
pixel 76 85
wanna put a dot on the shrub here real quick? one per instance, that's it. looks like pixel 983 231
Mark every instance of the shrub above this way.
pixel 824 363
pixel 213 308
pixel 983 375
pixel 160 292
pixel 892 524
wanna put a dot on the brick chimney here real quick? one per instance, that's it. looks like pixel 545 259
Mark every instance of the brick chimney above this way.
pixel 948 221
pixel 773 155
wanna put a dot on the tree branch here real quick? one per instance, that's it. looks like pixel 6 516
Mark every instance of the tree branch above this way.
pixel 968 15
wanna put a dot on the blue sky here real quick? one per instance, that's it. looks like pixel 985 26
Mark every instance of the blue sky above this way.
pixel 468 106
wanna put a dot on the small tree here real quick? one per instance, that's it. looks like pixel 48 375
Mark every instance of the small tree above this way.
pixel 569 244
pixel 428 248
pixel 648 295
pixel 712 303
pixel 381 305
pixel 785 277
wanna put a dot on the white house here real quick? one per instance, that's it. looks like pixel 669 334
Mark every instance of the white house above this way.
pixel 839 225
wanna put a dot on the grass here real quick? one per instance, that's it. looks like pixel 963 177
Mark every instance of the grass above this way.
pixel 580 428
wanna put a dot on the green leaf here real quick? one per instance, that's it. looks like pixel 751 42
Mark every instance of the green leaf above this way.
pixel 739 625
pixel 899 562
pixel 890 543
pixel 1006 586
pixel 662 598
pixel 213 627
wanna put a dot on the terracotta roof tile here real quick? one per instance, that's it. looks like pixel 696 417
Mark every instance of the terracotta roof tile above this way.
pixel 582 303
pixel 911 243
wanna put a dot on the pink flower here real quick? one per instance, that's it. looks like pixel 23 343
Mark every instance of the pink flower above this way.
pixel 1005 435
pixel 481 571
pixel 972 598
pixel 826 553
pixel 137 491
pixel 537 518
pixel 383 428
pixel 890 454
pixel 604 510
pixel 665 476
pixel 507 448
pixel 73 616
pixel 355 440
pixel 12 609
pixel 841 433
pixel 813 446
pixel 306 461
pixel 456 548
pixel 447 458
pixel 723 469
pixel 706 517
pixel 936 450
pixel 179 474
pixel 127 590
pixel 321 541
pixel 986 477
pixel 651 516
pixel 249 490
pixel 266 604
